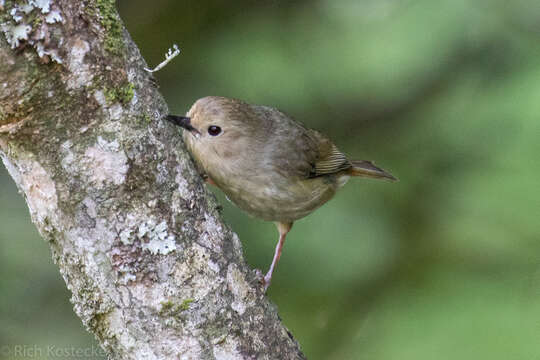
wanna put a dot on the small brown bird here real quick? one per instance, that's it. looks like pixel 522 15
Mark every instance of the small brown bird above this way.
pixel 266 163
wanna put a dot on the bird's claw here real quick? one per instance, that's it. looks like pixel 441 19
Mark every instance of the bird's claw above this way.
pixel 266 282
pixel 258 274
pixel 262 279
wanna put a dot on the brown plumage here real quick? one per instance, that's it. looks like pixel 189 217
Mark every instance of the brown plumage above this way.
pixel 269 165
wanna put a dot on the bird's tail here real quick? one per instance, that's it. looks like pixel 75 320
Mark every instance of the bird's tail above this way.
pixel 364 168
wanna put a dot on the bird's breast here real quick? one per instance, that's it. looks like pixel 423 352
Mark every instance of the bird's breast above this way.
pixel 259 187
pixel 275 198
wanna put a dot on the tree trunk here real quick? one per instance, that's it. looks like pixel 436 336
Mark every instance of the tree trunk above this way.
pixel 154 272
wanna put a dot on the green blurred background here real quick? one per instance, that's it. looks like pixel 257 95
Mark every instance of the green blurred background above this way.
pixel 445 94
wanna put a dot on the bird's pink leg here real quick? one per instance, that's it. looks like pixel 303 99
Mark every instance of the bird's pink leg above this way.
pixel 283 229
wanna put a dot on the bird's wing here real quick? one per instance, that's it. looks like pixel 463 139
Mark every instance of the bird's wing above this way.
pixel 329 159
pixel 291 149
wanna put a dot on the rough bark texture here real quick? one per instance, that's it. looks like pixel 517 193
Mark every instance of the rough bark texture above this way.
pixel 154 272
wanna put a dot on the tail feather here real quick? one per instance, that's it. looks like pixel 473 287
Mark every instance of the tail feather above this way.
pixel 364 168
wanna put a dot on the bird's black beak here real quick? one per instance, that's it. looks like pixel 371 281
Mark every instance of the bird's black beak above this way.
pixel 182 121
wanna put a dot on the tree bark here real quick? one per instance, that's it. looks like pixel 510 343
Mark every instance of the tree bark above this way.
pixel 153 271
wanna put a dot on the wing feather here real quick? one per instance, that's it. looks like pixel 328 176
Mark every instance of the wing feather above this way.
pixel 297 150
pixel 329 159
pixel 331 162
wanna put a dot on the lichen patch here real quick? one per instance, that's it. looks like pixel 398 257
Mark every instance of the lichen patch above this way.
pixel 100 98
pixel 213 230
pixel 53 17
pixel 80 69
pixel 30 24
pixel 159 240
pixel 116 111
pixel 44 5
pixel 15 34
pixel 105 163
pixel 240 289
pixel 136 238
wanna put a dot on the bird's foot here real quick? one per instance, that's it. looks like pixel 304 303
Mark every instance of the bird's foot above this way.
pixel 259 275
pixel 264 280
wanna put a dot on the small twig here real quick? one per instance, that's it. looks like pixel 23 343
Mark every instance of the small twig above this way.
pixel 168 57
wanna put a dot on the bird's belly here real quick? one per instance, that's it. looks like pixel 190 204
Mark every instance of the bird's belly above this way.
pixel 281 199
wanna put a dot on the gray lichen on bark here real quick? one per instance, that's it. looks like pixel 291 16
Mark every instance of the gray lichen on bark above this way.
pixel 154 273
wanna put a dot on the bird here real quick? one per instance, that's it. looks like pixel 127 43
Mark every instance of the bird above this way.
pixel 268 164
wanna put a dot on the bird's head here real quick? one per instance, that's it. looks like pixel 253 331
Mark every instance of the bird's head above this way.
pixel 220 130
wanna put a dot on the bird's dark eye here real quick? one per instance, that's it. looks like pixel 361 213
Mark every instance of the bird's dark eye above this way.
pixel 214 130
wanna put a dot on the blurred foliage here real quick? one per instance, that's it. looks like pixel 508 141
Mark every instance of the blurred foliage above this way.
pixel 444 264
